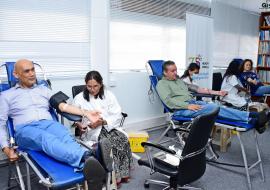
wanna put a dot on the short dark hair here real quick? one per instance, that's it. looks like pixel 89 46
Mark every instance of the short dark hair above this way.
pixel 97 77
pixel 166 64
pixel 243 64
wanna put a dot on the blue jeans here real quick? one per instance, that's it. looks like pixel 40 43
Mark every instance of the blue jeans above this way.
pixel 52 138
pixel 263 90
pixel 224 113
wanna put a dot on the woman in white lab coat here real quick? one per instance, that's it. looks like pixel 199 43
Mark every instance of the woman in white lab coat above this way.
pixel 96 97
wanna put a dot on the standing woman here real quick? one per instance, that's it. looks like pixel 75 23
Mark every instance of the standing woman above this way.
pixel 192 69
pixel 96 97
pixel 250 79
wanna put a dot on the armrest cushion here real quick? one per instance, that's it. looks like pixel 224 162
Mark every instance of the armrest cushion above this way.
pixel 204 95
pixel 71 117
pixel 58 98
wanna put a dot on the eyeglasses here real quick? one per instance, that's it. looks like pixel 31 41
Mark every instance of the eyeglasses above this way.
pixel 93 87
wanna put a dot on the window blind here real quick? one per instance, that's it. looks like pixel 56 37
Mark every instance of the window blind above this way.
pixel 148 29
pixel 52 33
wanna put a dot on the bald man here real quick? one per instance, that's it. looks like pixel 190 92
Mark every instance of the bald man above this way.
pixel 28 105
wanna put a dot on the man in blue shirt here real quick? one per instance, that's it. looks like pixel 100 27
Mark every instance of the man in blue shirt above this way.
pixel 27 104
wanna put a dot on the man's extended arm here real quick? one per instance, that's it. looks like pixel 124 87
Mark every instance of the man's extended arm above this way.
pixel 197 89
pixel 93 116
pixel 3 121
pixel 4 143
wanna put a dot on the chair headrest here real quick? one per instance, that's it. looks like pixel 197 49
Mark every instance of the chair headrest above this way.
pixel 217 81
pixel 12 80
pixel 156 66
pixel 4 86
pixel 77 89
pixel 239 60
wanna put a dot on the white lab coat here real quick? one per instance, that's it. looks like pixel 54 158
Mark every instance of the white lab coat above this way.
pixel 109 108
pixel 233 96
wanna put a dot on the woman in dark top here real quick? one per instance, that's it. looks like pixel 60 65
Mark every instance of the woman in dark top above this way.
pixel 250 79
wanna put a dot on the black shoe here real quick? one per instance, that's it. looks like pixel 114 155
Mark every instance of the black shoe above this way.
pixel 94 174
pixel 261 130
pixel 268 115
pixel 106 154
pixel 261 121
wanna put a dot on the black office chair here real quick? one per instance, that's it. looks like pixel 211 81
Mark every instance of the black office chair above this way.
pixel 192 163
pixel 78 89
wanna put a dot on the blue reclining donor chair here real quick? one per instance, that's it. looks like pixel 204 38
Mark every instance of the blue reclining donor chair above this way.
pixel 51 173
pixel 238 127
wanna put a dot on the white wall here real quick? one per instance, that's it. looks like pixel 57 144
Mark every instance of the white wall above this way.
pixel 132 92
pixel 235 33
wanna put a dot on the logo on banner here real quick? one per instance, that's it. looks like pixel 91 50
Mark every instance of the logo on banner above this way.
pixel 204 67
pixel 196 59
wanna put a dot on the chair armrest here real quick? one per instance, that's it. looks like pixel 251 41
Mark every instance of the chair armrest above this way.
pixel 158 146
pixel 124 115
pixel 71 117
pixel 204 95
